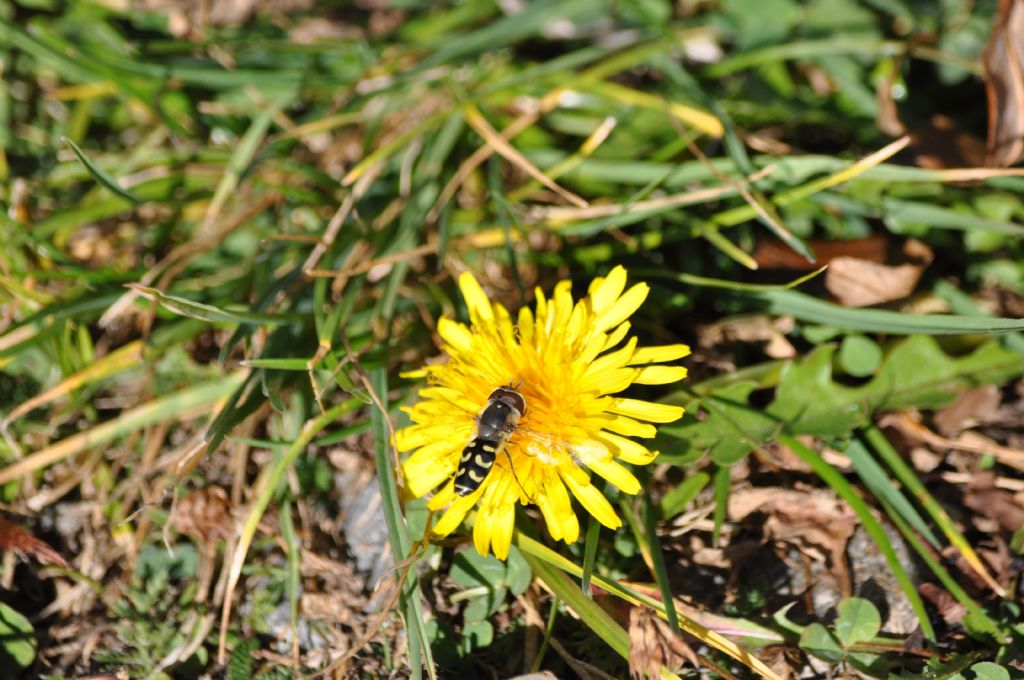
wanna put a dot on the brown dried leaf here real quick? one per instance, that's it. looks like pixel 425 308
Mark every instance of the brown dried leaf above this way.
pixel 653 644
pixel 751 328
pixel 13 537
pixel 942 144
pixel 1004 84
pixel 204 514
pixel 951 611
pixel 860 283
pixel 811 521
pixel 977 406
pixel 772 253
pixel 914 432
pixel 120 674
pixel 888 118
pixel 984 498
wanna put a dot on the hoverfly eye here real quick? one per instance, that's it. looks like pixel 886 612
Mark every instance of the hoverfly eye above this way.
pixel 518 402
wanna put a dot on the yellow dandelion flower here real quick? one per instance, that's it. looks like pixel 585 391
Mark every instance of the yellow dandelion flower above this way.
pixel 566 360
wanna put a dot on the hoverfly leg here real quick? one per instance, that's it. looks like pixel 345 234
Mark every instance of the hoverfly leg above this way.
pixel 516 476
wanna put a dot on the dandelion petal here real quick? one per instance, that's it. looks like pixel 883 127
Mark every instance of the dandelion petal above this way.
pixel 594 501
pixel 476 299
pixel 647 410
pixel 659 355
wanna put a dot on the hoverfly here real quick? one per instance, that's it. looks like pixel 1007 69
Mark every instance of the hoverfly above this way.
pixel 494 427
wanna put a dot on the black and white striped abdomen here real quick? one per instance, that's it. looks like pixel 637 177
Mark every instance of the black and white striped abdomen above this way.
pixel 477 460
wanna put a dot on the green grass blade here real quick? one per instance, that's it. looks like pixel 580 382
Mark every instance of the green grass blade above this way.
pixel 291 541
pixel 878 441
pixel 541 554
pixel 593 617
pixel 510 29
pixel 937 217
pixel 244 153
pixel 714 236
pixel 834 479
pixel 878 481
pixel 277 364
pixel 807 308
pixel 204 312
pixel 961 303
pixel 941 573
pixel 658 559
pixel 100 175
pixel 590 554
pixel 722 483
pixel 708 282
pixel 831 46
pixel 548 629
pixel 270 480
pixel 419 641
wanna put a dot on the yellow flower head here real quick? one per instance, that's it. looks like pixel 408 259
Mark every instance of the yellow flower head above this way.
pixel 566 359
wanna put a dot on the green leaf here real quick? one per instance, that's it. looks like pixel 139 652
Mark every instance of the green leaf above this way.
pixel 981 626
pixel 915 373
pixel 986 670
pixel 476 635
pixel 858 621
pixel 488 580
pixel 818 641
pixel 240 666
pixel 17 639
pixel 471 569
pixel 870 664
pixel 678 498
pixel 859 355
pixel 809 402
pixel 518 575
pixel 732 427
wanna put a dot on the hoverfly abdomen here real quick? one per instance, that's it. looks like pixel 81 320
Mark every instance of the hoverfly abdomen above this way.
pixel 477 460
pixel 494 428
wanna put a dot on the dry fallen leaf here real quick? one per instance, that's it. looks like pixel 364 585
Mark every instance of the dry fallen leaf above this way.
pixel 752 328
pixel 888 117
pixel 13 537
pixel 915 433
pixel 860 283
pixel 976 406
pixel 809 520
pixel 653 644
pixel 772 253
pixel 942 144
pixel 984 498
pixel 1004 84
pixel 951 611
pixel 204 514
